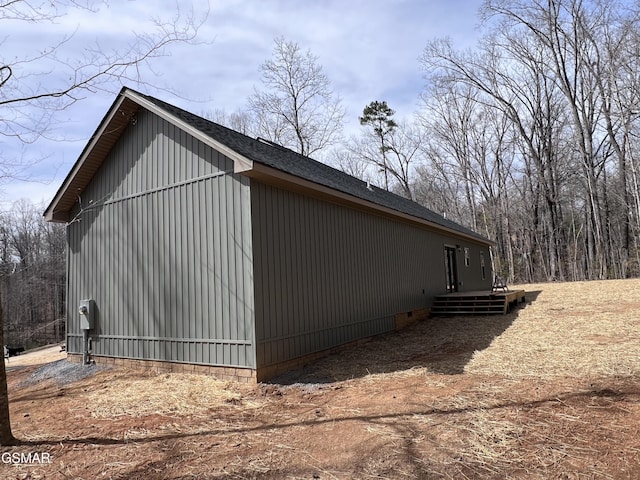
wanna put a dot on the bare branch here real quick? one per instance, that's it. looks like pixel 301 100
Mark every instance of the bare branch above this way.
pixel 297 107
pixel 5 74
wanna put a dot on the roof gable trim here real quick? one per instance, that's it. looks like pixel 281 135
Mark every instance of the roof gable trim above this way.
pixel 109 130
pixel 241 163
pixel 53 213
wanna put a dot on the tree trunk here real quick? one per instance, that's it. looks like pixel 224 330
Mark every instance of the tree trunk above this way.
pixel 6 437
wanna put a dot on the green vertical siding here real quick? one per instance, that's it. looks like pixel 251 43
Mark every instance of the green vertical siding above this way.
pixel 326 275
pixel 163 246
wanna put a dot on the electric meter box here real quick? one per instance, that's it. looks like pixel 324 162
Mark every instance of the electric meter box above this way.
pixel 87 314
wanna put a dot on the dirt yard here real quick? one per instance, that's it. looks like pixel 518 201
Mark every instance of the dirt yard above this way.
pixel 549 391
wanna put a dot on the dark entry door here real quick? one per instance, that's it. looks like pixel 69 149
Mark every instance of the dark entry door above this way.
pixel 451 269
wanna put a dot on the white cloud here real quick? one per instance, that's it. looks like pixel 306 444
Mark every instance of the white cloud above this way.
pixel 369 49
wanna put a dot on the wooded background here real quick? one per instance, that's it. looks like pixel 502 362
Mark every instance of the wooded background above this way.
pixel 534 136
pixel 33 276
pixel 529 138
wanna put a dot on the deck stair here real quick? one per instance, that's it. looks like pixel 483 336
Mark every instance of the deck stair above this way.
pixel 476 303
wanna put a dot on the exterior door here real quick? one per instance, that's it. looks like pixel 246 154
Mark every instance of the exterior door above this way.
pixel 451 269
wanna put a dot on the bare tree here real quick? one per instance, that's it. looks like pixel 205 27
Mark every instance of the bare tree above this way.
pixel 30 99
pixel 405 155
pixel 563 74
pixel 238 120
pixel 353 164
pixel 33 276
pixel 590 51
pixel 507 76
pixel 471 146
pixel 450 116
pixel 296 106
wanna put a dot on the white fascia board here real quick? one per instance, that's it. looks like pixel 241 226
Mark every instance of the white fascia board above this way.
pixel 241 163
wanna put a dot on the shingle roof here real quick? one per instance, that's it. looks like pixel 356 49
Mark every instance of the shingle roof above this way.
pixel 243 148
pixel 288 161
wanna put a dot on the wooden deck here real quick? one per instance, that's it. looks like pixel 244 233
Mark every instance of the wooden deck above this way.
pixel 477 303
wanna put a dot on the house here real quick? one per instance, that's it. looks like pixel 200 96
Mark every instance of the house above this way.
pixel 193 246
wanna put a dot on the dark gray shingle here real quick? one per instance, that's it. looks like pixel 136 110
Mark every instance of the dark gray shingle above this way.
pixel 293 163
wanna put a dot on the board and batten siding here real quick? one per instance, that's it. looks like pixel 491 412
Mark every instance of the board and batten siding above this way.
pixel 163 246
pixel 326 274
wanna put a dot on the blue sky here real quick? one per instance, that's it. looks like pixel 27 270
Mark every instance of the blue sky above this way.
pixel 369 50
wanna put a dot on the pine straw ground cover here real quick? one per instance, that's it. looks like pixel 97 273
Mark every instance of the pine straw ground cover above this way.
pixel 548 391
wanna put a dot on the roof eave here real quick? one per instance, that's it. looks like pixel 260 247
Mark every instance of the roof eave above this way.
pixel 124 109
pixel 279 178
pixel 108 132
pixel 77 179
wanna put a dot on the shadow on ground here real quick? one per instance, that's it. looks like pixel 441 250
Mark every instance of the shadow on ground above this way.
pixel 443 345
pixel 606 399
